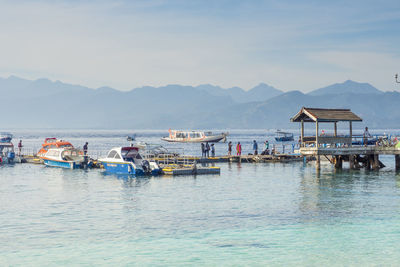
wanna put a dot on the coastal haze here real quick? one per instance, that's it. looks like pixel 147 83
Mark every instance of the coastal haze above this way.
pixel 44 103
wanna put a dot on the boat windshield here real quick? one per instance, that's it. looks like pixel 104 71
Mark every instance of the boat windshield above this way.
pixel 66 145
pixel 130 153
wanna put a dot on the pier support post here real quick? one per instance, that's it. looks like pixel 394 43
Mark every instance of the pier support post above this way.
pixel 368 162
pixel 302 133
pixel 318 162
pixel 338 162
pixel 376 162
pixel 351 161
pixel 397 159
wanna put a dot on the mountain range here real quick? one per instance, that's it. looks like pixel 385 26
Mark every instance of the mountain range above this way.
pixel 47 104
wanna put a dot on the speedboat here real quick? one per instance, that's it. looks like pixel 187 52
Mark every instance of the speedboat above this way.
pixel 283 136
pixel 65 157
pixel 127 160
pixel 194 137
pixel 53 143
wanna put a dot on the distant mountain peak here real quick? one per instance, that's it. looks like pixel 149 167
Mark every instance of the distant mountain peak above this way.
pixel 346 87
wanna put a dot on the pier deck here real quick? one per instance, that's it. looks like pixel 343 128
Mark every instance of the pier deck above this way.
pixel 341 151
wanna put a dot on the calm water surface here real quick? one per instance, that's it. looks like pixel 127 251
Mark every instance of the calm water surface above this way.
pixel 251 214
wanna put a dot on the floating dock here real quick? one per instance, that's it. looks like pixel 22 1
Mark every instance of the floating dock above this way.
pixel 174 169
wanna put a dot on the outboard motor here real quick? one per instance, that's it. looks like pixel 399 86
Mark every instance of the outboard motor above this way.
pixel 10 156
pixel 146 166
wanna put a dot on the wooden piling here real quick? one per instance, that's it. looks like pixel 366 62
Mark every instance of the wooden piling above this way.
pixel 338 162
pixel 376 162
pixel 318 162
pixel 351 161
pixel 397 159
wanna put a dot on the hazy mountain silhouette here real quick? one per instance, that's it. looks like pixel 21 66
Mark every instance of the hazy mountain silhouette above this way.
pixel 260 92
pixel 347 87
pixel 46 104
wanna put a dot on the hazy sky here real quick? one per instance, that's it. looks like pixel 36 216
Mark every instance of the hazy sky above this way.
pixel 291 45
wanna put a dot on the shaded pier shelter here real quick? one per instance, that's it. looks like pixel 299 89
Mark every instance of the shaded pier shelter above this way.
pixel 339 148
pixel 322 115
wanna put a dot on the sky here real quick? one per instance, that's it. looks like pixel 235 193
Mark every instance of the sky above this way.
pixel 291 45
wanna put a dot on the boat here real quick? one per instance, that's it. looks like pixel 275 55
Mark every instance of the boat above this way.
pixel 194 137
pixel 53 143
pixel 5 137
pixel 131 137
pixel 283 136
pixel 65 157
pixel 7 154
pixel 127 160
pixel 359 140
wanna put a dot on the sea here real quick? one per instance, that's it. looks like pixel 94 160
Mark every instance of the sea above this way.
pixel 251 214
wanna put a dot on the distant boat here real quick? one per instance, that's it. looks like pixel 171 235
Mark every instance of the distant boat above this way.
pixel 66 157
pixel 194 137
pixel 283 136
pixel 131 137
pixel 5 137
pixel 127 160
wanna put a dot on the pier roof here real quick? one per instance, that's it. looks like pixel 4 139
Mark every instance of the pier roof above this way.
pixel 324 115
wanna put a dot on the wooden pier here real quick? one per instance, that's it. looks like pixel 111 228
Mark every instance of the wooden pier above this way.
pixel 339 148
pixel 243 159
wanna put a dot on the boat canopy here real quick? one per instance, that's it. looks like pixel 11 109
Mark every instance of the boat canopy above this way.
pixel 124 152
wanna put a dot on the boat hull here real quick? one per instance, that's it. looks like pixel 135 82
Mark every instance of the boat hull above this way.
pixel 61 164
pixel 126 168
pixel 210 139
pixel 284 139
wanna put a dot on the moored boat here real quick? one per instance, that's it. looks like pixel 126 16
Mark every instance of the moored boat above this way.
pixel 65 157
pixel 127 160
pixel 194 137
pixel 7 154
pixel 283 136
pixel 53 143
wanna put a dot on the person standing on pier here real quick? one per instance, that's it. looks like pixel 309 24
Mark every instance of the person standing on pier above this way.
pixel 207 150
pixel 20 147
pixel 85 149
pixel 238 149
pixel 266 144
pixel 255 147
pixel 203 151
pixel 366 135
pixel 229 148
pixel 212 150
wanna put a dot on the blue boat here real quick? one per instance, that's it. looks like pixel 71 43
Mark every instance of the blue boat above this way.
pixel 69 158
pixel 127 160
pixel 5 137
pixel 283 136
pixel 7 154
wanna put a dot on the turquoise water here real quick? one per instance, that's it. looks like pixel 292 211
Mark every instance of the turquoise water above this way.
pixel 251 214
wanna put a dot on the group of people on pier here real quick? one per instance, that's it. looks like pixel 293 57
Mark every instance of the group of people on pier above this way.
pixel 206 148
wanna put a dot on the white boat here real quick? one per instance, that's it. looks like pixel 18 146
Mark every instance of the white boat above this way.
pixel 127 160
pixel 194 137
pixel 70 158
